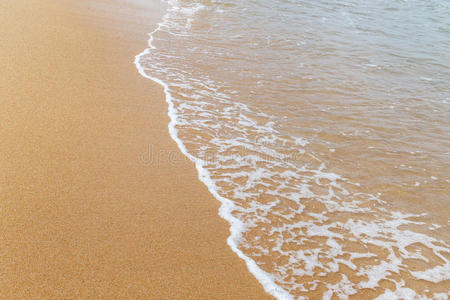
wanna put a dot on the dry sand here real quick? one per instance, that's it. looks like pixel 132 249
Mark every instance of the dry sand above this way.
pixel 85 211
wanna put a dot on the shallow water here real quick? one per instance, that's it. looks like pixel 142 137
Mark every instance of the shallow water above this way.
pixel 323 128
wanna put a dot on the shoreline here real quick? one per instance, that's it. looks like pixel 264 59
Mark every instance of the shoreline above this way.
pixel 226 208
pixel 97 199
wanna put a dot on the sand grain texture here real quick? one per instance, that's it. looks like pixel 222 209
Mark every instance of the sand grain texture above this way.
pixel 96 201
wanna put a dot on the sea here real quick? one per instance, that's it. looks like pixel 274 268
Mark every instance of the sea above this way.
pixel 323 128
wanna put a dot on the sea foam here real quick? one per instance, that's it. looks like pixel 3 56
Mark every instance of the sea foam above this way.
pixel 281 201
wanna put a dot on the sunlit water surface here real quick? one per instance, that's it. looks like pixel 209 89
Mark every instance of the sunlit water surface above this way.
pixel 324 128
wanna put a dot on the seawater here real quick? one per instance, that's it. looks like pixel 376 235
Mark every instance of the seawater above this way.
pixel 323 127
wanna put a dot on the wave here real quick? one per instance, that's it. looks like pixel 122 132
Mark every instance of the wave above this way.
pixel 237 226
pixel 298 226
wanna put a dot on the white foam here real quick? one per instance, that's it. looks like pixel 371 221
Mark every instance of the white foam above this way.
pixel 264 193
pixel 236 226
pixel 435 274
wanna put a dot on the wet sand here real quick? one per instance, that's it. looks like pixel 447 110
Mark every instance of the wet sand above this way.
pixel 96 200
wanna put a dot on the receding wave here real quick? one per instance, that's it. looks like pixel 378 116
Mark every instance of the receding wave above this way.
pixel 286 150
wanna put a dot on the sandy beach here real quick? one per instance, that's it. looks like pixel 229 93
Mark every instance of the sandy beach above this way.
pixel 96 200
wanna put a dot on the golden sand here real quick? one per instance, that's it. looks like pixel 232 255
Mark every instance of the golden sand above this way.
pixel 96 200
